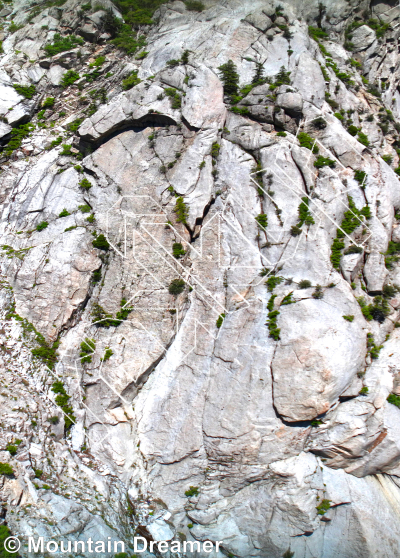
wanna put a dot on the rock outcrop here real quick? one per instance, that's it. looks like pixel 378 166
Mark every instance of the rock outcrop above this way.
pixel 200 275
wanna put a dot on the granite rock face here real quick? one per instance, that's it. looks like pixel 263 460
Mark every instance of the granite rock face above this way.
pixel 199 291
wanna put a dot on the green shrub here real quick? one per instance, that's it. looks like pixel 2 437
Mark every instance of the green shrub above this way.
pixel 379 27
pixel 96 276
pixel 391 254
pixel 13 27
pixel 230 78
pixel 62 401
pixel 349 318
pixel 282 134
pixel 193 491
pixel 376 311
pixel 102 319
pixel 323 507
pixel 6 469
pixel 194 5
pixel 373 349
pixel 62 44
pixel 69 78
pixel 390 291
pixel 176 287
pixel 84 208
pixel 27 91
pixel 360 176
pixel 388 159
pixel 85 184
pixel 128 41
pixel 55 142
pixel 131 81
pixel 73 126
pixel 54 420
pixel 181 210
pixel 272 325
pixel 355 63
pixel 48 103
pixel 394 399
pixel 111 24
pixel 374 90
pixel 88 347
pixel 317 34
pixel 351 220
pixel 262 221
pixel 185 57
pixel 100 315
pixel 307 141
pixel 324 162
pixel 363 139
pixel 42 225
pixel 124 312
pixel 243 111
pixel 48 355
pixel 220 320
pixel 304 284
pixel 273 329
pixel 318 293
pixel 174 96
pixel 295 230
pixel 66 150
pixel 99 61
pixel 101 243
pixel 12 449
pixel 353 250
pixel 352 130
pixel 272 282
pixel 331 102
pixel 18 134
pixel 326 78
pixel 304 214
pixel 288 299
pixel 177 250
pixel 91 219
pixel 64 213
pixel 363 390
pixel 281 78
pixel 107 355
pixel 173 63
pixel 140 56
pixel 215 150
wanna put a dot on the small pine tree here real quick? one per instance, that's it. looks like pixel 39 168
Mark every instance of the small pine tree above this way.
pixel 230 78
pixel 283 77
pixel 259 74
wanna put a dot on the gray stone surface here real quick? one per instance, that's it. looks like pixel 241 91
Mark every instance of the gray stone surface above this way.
pixel 265 394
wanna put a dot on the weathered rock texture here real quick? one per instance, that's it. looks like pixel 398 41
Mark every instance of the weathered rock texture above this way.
pixel 172 391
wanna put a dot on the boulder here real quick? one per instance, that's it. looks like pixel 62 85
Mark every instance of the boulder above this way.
pixel 362 38
pixel 260 21
pixel 291 102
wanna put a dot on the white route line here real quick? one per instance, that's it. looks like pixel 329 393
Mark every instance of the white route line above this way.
pixel 320 209
pixel 142 228
pixel 183 269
